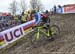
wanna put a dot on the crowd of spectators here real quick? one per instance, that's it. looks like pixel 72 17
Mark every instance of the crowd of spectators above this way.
pixel 10 21
pixel 7 22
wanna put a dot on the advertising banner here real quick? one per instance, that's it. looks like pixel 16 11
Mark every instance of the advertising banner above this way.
pixel 15 33
pixel 69 9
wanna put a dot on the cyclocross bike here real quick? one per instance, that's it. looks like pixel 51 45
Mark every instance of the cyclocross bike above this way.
pixel 43 32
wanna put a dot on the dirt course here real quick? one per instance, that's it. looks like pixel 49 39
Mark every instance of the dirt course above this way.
pixel 64 44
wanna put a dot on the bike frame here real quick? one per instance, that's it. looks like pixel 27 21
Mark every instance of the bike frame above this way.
pixel 40 30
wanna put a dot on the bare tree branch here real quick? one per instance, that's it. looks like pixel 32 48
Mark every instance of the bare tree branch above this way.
pixel 36 4
pixel 23 5
pixel 13 7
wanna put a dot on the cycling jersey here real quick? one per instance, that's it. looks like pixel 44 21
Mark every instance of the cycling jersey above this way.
pixel 38 17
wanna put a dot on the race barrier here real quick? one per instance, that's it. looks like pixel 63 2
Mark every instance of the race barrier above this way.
pixel 66 9
pixel 69 9
pixel 15 33
pixel 60 10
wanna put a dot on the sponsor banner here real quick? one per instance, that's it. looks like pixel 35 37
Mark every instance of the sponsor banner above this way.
pixel 15 33
pixel 69 9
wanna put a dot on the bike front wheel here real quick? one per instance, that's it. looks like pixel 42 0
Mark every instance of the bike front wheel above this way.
pixel 55 31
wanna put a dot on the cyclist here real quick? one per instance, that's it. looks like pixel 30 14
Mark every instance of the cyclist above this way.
pixel 45 16
pixel 45 19
pixel 37 16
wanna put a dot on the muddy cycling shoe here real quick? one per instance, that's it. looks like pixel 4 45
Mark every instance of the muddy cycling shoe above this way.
pixel 45 28
pixel 47 25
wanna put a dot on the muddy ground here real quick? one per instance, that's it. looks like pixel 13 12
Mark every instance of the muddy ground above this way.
pixel 64 44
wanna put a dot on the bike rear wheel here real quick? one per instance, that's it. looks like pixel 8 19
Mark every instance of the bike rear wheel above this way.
pixel 37 38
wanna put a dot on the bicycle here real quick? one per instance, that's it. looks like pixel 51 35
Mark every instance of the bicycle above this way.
pixel 44 32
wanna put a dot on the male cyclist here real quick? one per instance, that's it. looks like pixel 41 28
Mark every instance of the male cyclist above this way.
pixel 37 16
pixel 45 16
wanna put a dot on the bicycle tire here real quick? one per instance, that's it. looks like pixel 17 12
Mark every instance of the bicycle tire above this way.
pixel 34 40
pixel 32 37
pixel 55 30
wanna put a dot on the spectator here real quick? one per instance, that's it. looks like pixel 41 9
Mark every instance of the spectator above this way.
pixel 28 16
pixel 54 9
pixel 23 19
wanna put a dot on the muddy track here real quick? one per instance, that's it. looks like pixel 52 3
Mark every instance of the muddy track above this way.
pixel 65 44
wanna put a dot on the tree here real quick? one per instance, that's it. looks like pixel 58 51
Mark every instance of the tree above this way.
pixel 23 5
pixel 36 4
pixel 13 7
